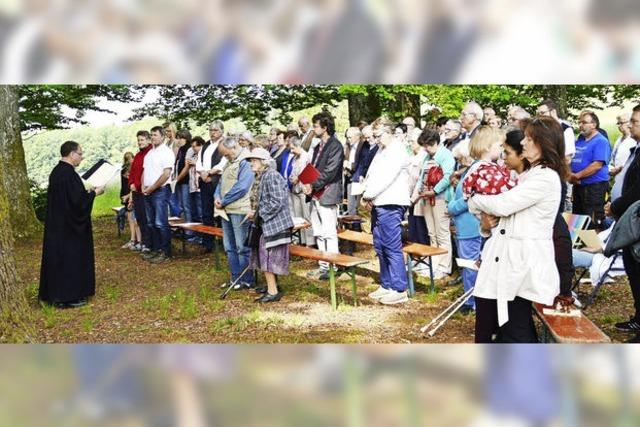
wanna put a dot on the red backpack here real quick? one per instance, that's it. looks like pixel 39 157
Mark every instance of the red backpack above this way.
pixel 434 176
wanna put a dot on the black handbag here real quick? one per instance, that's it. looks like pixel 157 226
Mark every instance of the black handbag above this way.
pixel 255 232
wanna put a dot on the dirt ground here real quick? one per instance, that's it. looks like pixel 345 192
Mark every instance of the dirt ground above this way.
pixel 178 301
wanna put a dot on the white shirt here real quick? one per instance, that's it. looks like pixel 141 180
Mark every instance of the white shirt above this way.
pixel 569 140
pixel 519 257
pixel 155 162
pixel 204 159
pixel 387 181
pixel 621 151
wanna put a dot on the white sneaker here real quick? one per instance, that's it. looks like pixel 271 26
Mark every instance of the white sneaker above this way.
pixel 394 297
pixel 379 293
pixel 128 245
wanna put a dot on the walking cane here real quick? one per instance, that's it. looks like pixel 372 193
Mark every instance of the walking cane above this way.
pixel 226 291
pixel 447 313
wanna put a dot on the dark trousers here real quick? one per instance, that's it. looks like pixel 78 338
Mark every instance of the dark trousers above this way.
pixel 206 195
pixel 589 200
pixel 141 217
pixel 563 253
pixel 417 229
pixel 632 268
pixel 519 329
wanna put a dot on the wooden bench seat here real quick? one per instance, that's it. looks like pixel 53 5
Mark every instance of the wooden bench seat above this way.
pixel 569 329
pixel 415 252
pixel 347 261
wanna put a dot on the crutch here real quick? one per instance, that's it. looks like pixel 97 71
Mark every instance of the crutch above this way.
pixel 447 313
pixel 232 284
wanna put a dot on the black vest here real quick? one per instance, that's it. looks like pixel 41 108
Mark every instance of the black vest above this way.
pixel 215 159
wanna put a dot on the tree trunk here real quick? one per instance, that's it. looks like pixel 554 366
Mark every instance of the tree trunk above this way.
pixel 363 107
pixel 15 322
pixel 21 213
pixel 406 105
pixel 559 94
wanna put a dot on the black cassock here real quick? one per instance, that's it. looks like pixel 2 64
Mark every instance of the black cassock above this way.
pixel 67 272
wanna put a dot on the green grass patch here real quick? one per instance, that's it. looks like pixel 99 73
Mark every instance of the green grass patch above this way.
pixel 102 204
pixel 610 319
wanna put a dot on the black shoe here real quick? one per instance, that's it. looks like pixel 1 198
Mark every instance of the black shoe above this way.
pixel 71 304
pixel 261 290
pixel 634 340
pixel 455 281
pixel 631 326
pixel 465 309
pixel 324 276
pixel 270 298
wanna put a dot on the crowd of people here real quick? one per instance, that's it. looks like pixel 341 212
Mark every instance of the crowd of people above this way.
pixel 488 191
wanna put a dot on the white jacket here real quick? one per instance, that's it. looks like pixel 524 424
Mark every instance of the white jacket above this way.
pixel 387 181
pixel 519 257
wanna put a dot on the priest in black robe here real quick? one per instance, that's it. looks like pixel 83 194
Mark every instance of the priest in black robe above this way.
pixel 67 273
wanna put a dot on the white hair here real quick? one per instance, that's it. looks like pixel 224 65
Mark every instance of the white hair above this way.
pixel 230 142
pixel 475 109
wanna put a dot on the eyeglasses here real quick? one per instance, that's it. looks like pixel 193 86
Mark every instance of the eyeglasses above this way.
pixel 582 122
pixel 621 123
pixel 79 153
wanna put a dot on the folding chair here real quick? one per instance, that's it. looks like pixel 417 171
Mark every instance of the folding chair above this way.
pixel 594 293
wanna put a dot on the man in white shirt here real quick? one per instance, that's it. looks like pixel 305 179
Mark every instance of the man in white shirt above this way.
pixel 209 166
pixel 158 165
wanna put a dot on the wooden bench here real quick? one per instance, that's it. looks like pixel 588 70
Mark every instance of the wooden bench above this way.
pixel 210 230
pixel 569 329
pixel 346 261
pixel 415 252
pixel 217 233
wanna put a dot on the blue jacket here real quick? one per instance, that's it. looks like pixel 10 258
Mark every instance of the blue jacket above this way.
pixel 467 225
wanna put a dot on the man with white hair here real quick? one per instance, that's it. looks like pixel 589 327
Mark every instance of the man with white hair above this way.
pixel 470 119
pixel 232 195
pixel 353 150
pixel 306 133
pixel 488 113
pixel 621 153
pixel 518 116
pixel 209 166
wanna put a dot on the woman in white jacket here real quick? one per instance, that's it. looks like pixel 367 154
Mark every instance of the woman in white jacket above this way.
pixel 386 192
pixel 518 265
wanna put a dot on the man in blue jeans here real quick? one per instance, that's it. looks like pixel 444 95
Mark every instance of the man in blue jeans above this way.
pixel 158 164
pixel 232 197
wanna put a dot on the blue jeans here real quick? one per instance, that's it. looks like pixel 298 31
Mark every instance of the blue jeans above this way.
pixel 238 254
pixel 386 225
pixel 157 209
pixel 184 200
pixel 196 207
pixel 174 204
pixel 582 259
pixel 139 209
pixel 469 249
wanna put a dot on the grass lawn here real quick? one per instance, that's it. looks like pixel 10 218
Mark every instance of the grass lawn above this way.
pixel 179 302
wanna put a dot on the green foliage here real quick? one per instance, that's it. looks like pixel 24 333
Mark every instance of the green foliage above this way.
pixel 42 106
pixel 39 199
pixel 255 104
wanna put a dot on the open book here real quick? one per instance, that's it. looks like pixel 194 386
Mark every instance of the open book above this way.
pixel 467 263
pixel 100 174
pixel 590 239
pixel 221 213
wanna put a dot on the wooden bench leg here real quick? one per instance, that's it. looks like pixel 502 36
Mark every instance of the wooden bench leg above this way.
pixel 352 273
pixel 118 226
pixel 216 255
pixel 432 289
pixel 332 283
pixel 412 291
